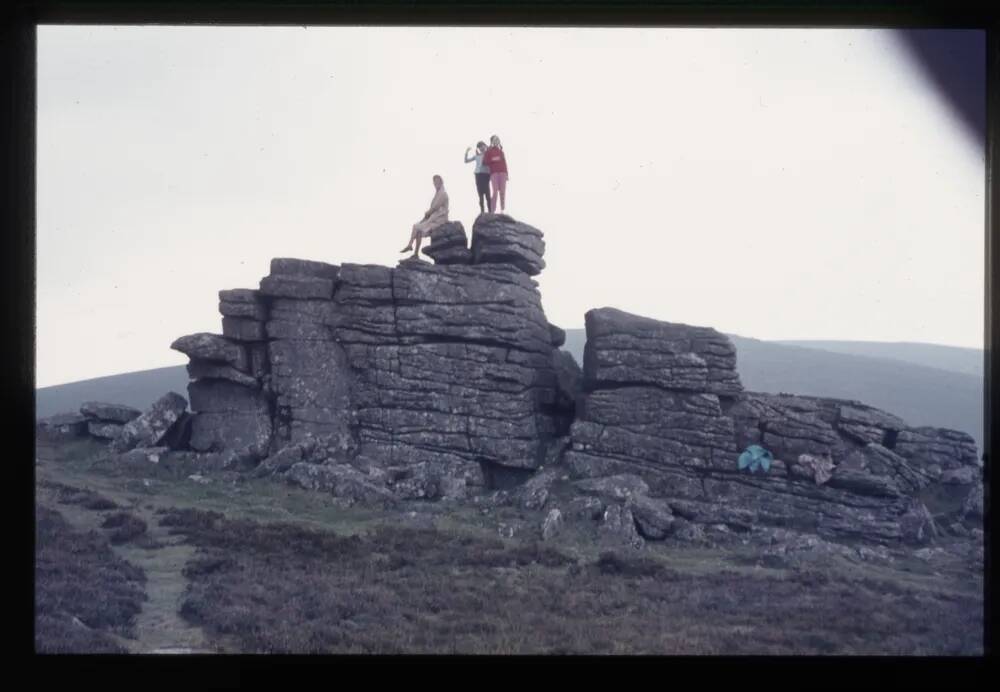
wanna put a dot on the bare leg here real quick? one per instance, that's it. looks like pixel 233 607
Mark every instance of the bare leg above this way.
pixel 420 237
pixel 413 234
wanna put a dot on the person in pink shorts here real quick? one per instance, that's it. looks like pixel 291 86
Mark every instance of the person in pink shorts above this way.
pixel 495 160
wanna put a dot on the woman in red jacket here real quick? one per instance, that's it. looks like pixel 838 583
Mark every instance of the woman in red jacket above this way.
pixel 497 163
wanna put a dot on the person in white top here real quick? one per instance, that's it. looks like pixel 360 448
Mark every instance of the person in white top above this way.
pixel 433 217
pixel 482 175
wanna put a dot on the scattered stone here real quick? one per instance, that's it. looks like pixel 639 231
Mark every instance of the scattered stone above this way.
pixel 535 492
pixel 972 509
pixel 688 532
pixel 584 508
pixel 917 524
pixel 65 424
pixel 198 478
pixel 551 525
pixel 653 518
pixel 877 553
pixel 341 481
pixel 620 487
pixel 105 431
pixel 816 469
pixel 151 455
pixel 150 428
pixel 619 523
pixel 109 413
pixel 927 554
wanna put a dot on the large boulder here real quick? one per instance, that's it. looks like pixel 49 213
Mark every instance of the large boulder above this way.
pixel 111 413
pixel 65 425
pixel 341 481
pixel 653 517
pixel 104 430
pixel 149 429
pixel 497 238
pixel 625 349
pixel 449 244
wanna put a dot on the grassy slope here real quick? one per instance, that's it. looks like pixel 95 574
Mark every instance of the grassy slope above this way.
pixel 280 569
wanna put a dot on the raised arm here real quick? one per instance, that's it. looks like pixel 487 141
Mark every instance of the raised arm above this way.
pixel 467 159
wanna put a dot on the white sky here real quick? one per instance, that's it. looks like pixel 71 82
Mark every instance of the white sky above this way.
pixel 777 184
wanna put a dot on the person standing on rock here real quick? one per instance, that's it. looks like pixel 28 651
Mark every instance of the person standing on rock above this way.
pixel 482 175
pixel 497 163
pixel 433 217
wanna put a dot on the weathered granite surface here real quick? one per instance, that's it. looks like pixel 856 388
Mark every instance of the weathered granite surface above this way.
pixel 434 381
pixel 663 401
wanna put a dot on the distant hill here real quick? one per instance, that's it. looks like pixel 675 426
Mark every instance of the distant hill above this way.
pixel 954 358
pixel 919 394
pixel 139 389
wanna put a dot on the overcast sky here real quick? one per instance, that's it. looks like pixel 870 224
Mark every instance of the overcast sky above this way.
pixel 777 184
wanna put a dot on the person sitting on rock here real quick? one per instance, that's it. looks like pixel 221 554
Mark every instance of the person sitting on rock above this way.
pixel 482 175
pixel 433 217
pixel 496 161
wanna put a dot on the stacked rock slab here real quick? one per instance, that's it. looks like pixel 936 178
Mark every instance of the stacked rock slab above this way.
pixel 664 401
pixel 228 392
pixel 450 365
pixel 106 421
pixel 497 238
